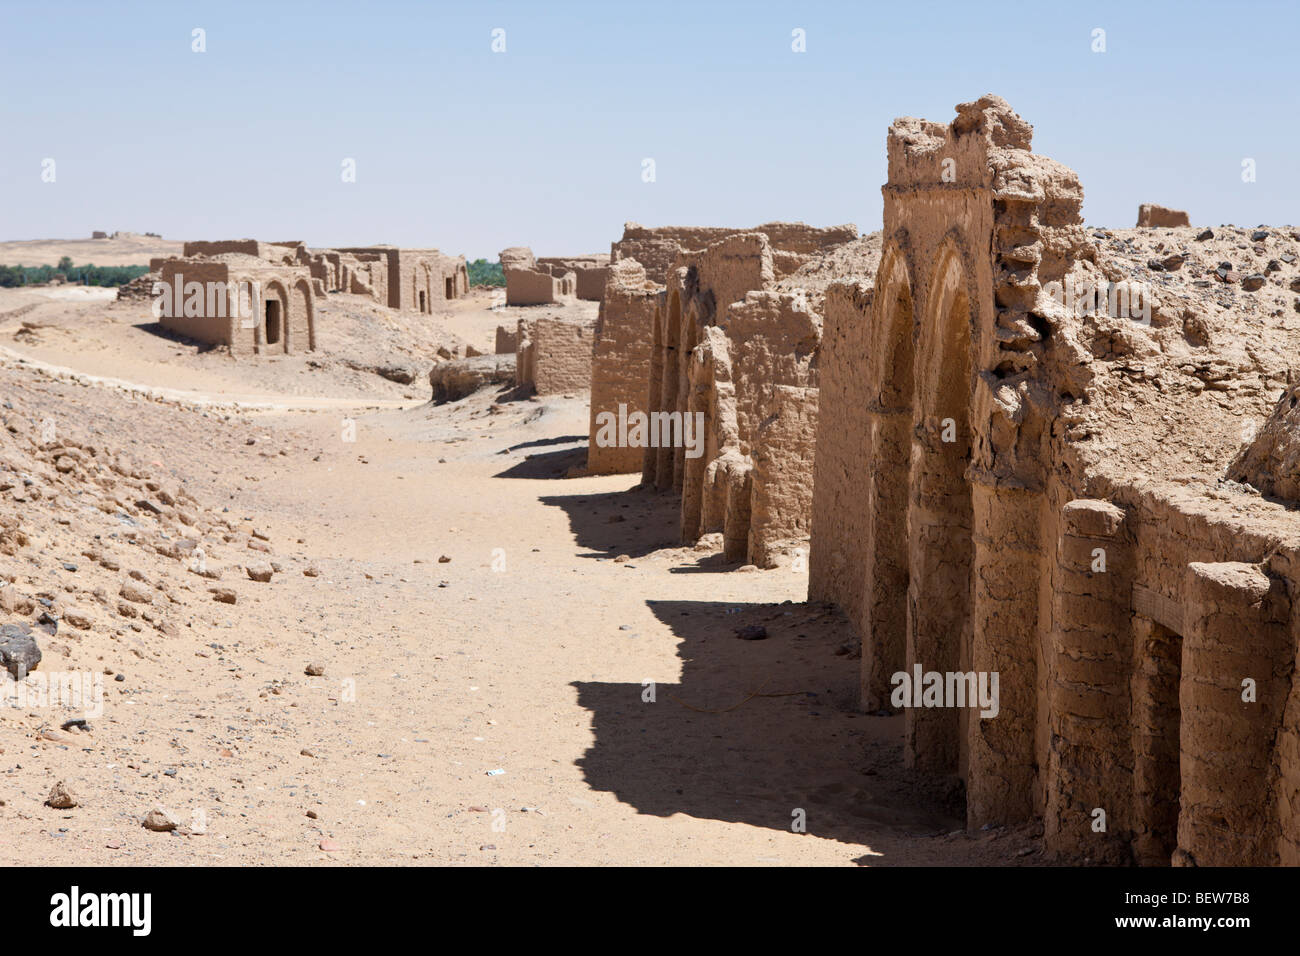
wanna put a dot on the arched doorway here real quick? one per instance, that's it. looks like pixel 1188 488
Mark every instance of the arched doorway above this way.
pixel 884 628
pixel 302 328
pixel 272 331
pixel 940 547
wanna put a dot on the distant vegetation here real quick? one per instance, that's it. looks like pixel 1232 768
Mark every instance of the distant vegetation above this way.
pixel 482 272
pixel 88 274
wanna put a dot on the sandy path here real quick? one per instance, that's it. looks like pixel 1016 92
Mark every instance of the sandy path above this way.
pixel 536 668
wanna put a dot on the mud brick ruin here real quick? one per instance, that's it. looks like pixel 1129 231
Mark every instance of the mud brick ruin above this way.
pixel 1013 446
pixel 620 361
pixel 532 281
pixel 589 274
pixel 552 355
pixel 413 280
pixel 733 331
pixel 1007 484
pixel 291 278
pixel 507 340
pixel 1150 214
pixel 248 303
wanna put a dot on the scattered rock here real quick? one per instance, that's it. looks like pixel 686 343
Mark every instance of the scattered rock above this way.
pixel 77 618
pixel 136 593
pixel 19 653
pixel 224 595
pixel 315 670
pixel 60 797
pixel 458 378
pixel 160 820
pixel 752 632
pixel 260 572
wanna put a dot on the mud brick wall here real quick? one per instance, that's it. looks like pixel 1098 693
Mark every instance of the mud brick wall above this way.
pixel 620 361
pixel 1237 629
pixel 781 498
pixel 290 287
pixel 591 282
pixel 1089 690
pixel 506 340
pixel 554 356
pixel 837 556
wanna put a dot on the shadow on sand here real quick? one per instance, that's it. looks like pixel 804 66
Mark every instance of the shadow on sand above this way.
pixel 158 329
pixel 755 730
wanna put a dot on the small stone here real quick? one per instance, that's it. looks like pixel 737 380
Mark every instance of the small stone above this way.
pixel 224 595
pixel 1204 234
pixel 60 797
pixel 311 814
pixel 752 632
pixel 19 653
pixel 260 572
pixel 444 559
pixel 77 618
pixel 315 670
pixel 136 593
pixel 160 820
pixel 1253 282
pixel 330 846
pixel 311 571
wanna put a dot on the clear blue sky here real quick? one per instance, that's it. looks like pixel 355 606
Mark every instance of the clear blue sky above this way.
pixel 470 151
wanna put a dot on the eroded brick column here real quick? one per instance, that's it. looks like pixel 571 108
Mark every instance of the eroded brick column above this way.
pixel 884 626
pixel 735 532
pixel 938 608
pixel 1088 805
pixel 1236 631
pixel 1007 567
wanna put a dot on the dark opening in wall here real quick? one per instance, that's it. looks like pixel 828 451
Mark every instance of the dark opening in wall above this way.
pixel 273 322
pixel 1156 727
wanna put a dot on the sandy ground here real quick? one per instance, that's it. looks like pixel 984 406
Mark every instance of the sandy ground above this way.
pixel 519 668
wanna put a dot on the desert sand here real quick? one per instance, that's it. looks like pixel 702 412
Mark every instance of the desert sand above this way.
pixel 485 625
